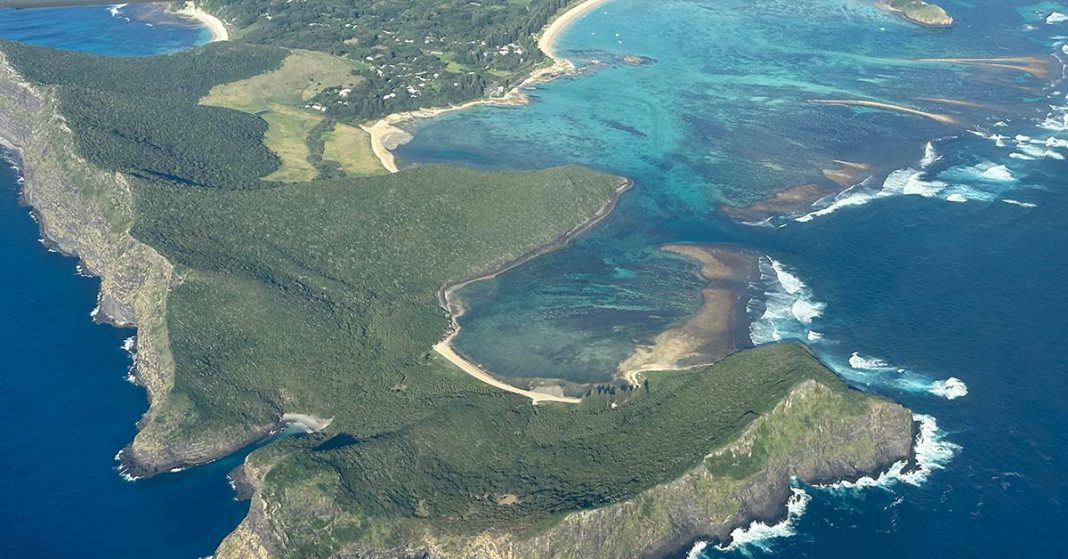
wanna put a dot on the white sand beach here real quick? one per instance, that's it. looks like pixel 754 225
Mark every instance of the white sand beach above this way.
pixel 214 24
pixel 385 136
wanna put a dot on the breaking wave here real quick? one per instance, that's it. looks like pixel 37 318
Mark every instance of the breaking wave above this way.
pixel 950 389
pixel 930 155
pixel 868 363
pixel 759 534
pixel 932 452
pixel 789 307
pixel 873 371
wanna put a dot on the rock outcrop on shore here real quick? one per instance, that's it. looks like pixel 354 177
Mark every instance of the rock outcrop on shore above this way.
pixel 919 12
pixel 817 434
pixel 819 431
pixel 87 213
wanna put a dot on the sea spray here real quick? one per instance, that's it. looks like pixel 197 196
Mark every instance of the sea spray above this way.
pixel 930 156
pixel 758 534
pixel 789 307
pixel 871 371
pixel 932 452
pixel 950 389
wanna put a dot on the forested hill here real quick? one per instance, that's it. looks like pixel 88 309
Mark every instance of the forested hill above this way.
pixel 413 53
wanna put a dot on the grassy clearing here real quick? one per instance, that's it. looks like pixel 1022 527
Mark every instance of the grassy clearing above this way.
pixel 351 148
pixel 321 298
pixel 286 136
pixel 302 76
pixel 279 97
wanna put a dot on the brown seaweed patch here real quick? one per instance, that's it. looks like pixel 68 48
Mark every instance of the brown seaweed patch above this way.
pixel 1039 67
pixel 847 173
pixel 715 331
pixel 954 102
pixel 937 117
pixel 791 201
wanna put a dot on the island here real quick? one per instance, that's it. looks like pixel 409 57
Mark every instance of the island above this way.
pixel 919 12
pixel 237 216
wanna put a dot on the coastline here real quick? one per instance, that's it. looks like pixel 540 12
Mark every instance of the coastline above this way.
pixel 212 23
pixel 717 329
pixel 454 306
pixel 386 136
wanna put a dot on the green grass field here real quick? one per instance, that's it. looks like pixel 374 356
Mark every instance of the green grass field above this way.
pixel 320 297
pixel 279 97
pixel 351 148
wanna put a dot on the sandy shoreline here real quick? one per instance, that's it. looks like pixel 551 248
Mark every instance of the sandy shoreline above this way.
pixel 214 24
pixel 455 307
pixel 386 136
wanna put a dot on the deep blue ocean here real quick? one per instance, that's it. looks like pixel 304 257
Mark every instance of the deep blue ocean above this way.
pixel 938 282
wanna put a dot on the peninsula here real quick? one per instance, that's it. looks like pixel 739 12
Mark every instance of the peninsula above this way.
pixel 270 283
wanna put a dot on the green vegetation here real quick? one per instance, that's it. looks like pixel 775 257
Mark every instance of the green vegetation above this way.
pixel 448 470
pixel 283 99
pixel 417 53
pixel 320 297
pixel 310 297
pixel 920 12
pixel 140 115
pixel 350 147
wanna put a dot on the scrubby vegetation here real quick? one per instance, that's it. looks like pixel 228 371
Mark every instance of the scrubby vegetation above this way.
pixel 417 53
pixel 140 115
pixel 321 298
pixel 283 98
pixel 921 12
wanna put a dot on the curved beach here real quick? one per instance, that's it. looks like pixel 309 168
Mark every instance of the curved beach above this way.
pixel 386 136
pixel 214 24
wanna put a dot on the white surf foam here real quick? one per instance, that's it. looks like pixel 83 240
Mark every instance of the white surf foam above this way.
pixel 789 307
pixel 1056 17
pixel 998 173
pixel 1019 203
pixel 866 370
pixel 697 551
pixel 957 197
pixel 759 534
pixel 854 196
pixel 950 389
pixel 1057 119
pixel 858 361
pixel 116 9
pixel 122 469
pixel 932 452
pixel 901 182
pixel 1053 142
pixel 998 139
pixel 1037 150
pixel 930 155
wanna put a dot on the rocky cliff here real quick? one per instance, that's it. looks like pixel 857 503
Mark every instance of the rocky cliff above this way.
pixel 818 433
pixel 87 212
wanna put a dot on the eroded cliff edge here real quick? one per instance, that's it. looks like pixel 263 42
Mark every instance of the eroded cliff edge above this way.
pixel 87 213
pixel 820 432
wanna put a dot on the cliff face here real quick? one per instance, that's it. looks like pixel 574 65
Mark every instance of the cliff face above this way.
pixel 816 434
pixel 87 212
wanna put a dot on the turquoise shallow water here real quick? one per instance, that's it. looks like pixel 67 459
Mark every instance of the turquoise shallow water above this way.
pixel 725 114
pixel 899 291
pixel 937 282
